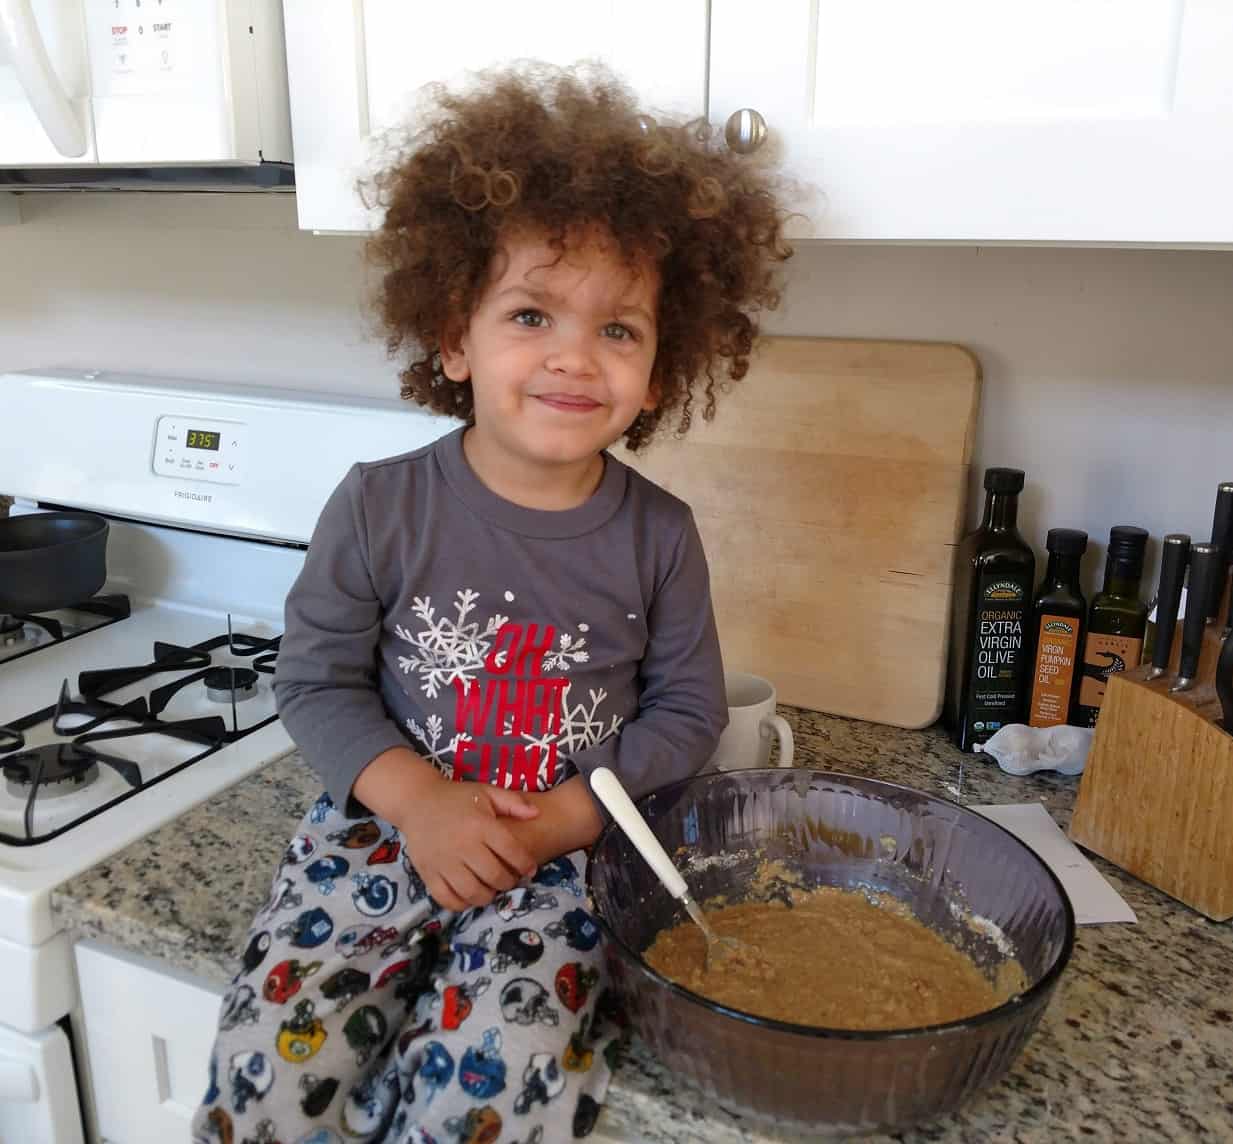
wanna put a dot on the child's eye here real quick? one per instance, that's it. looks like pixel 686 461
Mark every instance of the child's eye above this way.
pixel 619 332
pixel 532 319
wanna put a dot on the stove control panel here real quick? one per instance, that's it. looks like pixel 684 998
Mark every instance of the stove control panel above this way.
pixel 199 449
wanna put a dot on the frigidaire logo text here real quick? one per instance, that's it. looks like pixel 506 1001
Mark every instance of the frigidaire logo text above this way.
pixel 193 496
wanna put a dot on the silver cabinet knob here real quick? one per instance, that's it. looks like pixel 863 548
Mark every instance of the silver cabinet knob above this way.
pixel 745 131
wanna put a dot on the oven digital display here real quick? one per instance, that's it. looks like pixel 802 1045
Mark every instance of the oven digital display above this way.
pixel 203 439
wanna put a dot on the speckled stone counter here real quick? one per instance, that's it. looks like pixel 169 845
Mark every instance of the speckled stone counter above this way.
pixel 1137 1043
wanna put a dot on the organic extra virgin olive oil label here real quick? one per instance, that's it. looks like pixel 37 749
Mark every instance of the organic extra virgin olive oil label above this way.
pixel 1057 647
pixel 997 659
pixel 1104 656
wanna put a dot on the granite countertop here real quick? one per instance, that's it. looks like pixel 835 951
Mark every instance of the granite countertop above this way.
pixel 1137 1043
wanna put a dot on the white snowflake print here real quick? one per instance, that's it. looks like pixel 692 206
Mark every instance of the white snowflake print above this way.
pixel 580 727
pixel 569 650
pixel 446 649
pixel 429 738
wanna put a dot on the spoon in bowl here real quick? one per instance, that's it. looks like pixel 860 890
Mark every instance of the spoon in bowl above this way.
pixel 612 794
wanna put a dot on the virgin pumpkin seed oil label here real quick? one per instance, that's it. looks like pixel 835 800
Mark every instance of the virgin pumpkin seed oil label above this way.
pixel 998 653
pixel 1053 671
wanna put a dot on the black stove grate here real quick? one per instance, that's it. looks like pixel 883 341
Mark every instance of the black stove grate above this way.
pixel 62 762
pixel 110 608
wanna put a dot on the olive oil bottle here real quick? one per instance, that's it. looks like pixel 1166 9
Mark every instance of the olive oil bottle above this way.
pixel 1058 615
pixel 994 577
pixel 1116 623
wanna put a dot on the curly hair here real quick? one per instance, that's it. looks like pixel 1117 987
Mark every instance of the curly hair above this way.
pixel 561 152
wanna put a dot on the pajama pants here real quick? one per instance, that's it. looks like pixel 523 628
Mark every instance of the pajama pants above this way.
pixel 363 1010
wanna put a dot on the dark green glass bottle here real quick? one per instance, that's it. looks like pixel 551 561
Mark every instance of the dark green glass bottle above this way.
pixel 994 577
pixel 1116 623
pixel 1058 615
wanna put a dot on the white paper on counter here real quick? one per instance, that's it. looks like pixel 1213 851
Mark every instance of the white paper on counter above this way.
pixel 1091 897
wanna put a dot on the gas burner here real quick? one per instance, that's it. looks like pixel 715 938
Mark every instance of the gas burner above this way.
pixel 22 635
pixel 226 683
pixel 58 769
pixel 12 631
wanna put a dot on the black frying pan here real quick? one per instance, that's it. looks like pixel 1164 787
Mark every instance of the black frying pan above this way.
pixel 49 560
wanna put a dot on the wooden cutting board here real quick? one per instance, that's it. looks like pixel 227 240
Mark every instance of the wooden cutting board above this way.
pixel 829 491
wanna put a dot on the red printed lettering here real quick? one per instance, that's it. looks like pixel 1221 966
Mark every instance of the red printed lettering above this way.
pixel 525 774
pixel 500 658
pixel 542 714
pixel 468 713
pixel 550 776
pixel 519 701
pixel 464 767
pixel 509 705
pixel 531 654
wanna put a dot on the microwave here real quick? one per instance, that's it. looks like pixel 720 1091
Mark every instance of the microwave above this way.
pixel 144 94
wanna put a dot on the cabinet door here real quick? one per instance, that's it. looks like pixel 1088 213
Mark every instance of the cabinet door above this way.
pixel 148 1038
pixel 1075 121
pixel 355 68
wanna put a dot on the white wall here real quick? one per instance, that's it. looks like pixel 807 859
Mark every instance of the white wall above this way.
pixel 1108 373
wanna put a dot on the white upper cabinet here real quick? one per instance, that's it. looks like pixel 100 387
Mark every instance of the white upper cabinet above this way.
pixel 355 67
pixel 1063 121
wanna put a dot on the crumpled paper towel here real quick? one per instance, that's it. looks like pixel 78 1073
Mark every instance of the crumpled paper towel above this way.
pixel 1023 750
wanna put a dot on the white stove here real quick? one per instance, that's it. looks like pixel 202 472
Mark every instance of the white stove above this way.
pixel 119 713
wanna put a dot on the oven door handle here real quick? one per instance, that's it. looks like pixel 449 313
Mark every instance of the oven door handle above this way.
pixel 19 1084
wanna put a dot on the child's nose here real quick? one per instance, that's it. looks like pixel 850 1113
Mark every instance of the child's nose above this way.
pixel 572 353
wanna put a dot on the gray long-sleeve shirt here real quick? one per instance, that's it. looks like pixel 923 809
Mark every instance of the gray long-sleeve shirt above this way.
pixel 502 643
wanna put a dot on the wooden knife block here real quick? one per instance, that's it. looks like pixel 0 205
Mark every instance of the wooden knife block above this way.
pixel 1156 796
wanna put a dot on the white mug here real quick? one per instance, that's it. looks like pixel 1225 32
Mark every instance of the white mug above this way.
pixel 751 721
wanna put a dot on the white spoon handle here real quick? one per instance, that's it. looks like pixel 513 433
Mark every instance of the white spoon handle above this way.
pixel 611 793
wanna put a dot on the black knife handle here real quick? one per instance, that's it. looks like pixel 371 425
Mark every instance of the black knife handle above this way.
pixel 1204 563
pixel 1173 557
pixel 1222 537
pixel 1224 683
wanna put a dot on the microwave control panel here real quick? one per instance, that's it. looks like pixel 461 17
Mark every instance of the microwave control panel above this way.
pixel 199 449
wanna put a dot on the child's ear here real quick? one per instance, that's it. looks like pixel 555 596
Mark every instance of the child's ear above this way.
pixel 651 400
pixel 454 362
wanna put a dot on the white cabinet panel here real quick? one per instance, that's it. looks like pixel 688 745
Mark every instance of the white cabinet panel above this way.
pixel 1085 121
pixel 993 62
pixel 446 42
pixel 355 69
pixel 148 1038
pixel 38 1094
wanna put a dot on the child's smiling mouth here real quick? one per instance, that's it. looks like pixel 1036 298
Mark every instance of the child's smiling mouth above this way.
pixel 568 402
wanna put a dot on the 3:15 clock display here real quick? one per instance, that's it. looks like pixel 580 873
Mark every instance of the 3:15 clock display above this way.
pixel 203 439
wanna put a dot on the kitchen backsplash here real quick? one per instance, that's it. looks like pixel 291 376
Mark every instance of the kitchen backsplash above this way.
pixel 1106 372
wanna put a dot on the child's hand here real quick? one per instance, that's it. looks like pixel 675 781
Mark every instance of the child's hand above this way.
pixel 455 837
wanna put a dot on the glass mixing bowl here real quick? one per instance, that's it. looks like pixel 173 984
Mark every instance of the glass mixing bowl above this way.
pixel 961 874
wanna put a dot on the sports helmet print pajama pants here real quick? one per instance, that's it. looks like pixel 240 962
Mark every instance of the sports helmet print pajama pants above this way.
pixel 363 1010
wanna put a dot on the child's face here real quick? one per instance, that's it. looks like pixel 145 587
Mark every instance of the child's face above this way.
pixel 559 351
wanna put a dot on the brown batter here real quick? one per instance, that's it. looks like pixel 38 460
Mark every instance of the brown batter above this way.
pixel 837 960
